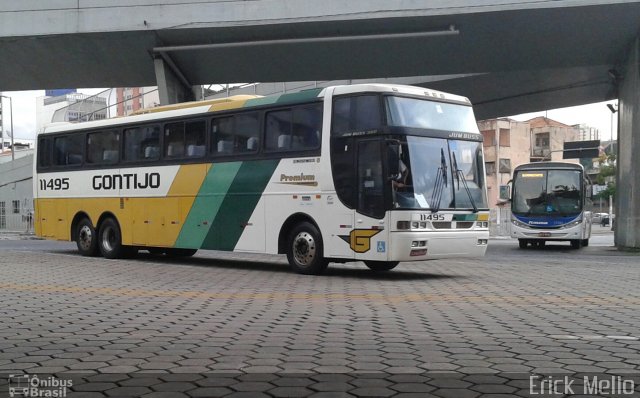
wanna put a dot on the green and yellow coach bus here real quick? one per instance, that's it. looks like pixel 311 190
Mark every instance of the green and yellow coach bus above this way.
pixel 374 173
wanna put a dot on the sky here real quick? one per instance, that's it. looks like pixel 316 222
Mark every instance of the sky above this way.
pixel 595 115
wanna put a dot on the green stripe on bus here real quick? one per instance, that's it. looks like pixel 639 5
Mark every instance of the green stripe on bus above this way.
pixel 207 204
pixel 238 206
pixel 464 217
pixel 284 98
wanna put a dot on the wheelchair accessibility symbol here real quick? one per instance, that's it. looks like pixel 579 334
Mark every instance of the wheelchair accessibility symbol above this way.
pixel 381 247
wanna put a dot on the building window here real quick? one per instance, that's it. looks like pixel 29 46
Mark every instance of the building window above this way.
pixel 542 140
pixel 490 167
pixel 488 138
pixel 15 204
pixel 505 137
pixel 505 166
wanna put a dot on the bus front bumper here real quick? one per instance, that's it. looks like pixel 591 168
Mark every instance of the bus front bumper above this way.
pixel 416 246
pixel 571 233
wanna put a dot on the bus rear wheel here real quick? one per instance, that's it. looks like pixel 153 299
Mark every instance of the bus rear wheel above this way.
pixel 305 250
pixel 380 266
pixel 110 241
pixel 86 238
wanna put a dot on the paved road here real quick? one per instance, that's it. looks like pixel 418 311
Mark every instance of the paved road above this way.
pixel 223 324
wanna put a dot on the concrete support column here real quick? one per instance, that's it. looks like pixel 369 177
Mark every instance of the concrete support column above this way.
pixel 173 87
pixel 627 209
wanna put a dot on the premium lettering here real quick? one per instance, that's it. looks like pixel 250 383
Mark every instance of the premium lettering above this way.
pixel 297 178
pixel 126 181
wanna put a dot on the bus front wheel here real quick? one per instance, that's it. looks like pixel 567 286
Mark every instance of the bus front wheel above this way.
pixel 523 243
pixel 110 241
pixel 305 250
pixel 379 266
pixel 576 243
pixel 87 238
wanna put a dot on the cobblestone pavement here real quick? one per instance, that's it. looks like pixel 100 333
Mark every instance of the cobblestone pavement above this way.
pixel 234 325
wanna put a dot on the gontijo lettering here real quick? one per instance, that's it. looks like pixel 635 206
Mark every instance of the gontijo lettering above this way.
pixel 126 181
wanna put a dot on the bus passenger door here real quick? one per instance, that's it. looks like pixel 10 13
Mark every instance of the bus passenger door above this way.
pixel 369 240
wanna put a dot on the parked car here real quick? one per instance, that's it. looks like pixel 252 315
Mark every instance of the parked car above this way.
pixel 597 217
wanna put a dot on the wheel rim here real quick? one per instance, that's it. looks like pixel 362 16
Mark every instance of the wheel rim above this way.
pixel 85 237
pixel 304 249
pixel 108 239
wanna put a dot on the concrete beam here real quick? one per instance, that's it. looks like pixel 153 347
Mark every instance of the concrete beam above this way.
pixel 173 87
pixel 627 222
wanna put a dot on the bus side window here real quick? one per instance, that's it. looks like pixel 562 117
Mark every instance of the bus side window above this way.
pixel 246 129
pixel 356 113
pixel 142 143
pixel 68 150
pixel 307 125
pixel 278 131
pixel 174 140
pixel 103 147
pixel 222 135
pixel 194 139
pixel 44 152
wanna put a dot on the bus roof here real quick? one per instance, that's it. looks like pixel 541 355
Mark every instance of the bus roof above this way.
pixel 549 165
pixel 246 101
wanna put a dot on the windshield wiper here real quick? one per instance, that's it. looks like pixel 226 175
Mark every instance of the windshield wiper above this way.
pixel 441 181
pixel 464 182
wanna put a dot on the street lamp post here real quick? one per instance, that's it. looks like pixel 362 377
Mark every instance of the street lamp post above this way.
pixel 13 149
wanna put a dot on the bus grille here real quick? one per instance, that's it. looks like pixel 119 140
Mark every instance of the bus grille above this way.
pixel 441 224
pixel 449 225
pixel 464 224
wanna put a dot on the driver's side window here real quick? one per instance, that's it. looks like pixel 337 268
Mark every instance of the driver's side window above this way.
pixel 370 179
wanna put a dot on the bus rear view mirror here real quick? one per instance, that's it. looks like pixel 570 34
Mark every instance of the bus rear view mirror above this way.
pixel 505 191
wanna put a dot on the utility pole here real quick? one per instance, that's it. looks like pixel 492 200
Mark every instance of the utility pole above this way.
pixel 13 149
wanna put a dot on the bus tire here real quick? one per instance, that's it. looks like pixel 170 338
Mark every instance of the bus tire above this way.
pixel 110 241
pixel 522 243
pixel 585 242
pixel 86 238
pixel 576 243
pixel 180 252
pixel 380 266
pixel 305 251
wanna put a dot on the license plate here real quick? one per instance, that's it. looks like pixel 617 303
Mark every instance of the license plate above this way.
pixel 544 234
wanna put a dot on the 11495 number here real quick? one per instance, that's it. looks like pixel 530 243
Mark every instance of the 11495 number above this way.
pixel 54 184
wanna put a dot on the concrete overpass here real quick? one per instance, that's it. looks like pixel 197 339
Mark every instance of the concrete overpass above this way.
pixel 508 56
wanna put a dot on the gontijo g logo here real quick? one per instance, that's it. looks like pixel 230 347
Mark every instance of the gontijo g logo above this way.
pixel 360 239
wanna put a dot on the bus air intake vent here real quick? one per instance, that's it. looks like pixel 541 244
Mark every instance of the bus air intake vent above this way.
pixel 464 224
pixel 442 224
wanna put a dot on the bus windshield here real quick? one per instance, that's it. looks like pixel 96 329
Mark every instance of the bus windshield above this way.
pixel 418 113
pixel 437 173
pixel 547 192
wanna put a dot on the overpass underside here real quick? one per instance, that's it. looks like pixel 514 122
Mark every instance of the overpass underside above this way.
pixel 508 57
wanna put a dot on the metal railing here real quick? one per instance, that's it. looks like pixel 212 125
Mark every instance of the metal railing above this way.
pixel 17 223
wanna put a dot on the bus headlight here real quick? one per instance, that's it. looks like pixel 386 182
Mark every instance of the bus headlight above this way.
pixel 518 223
pixel 572 223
